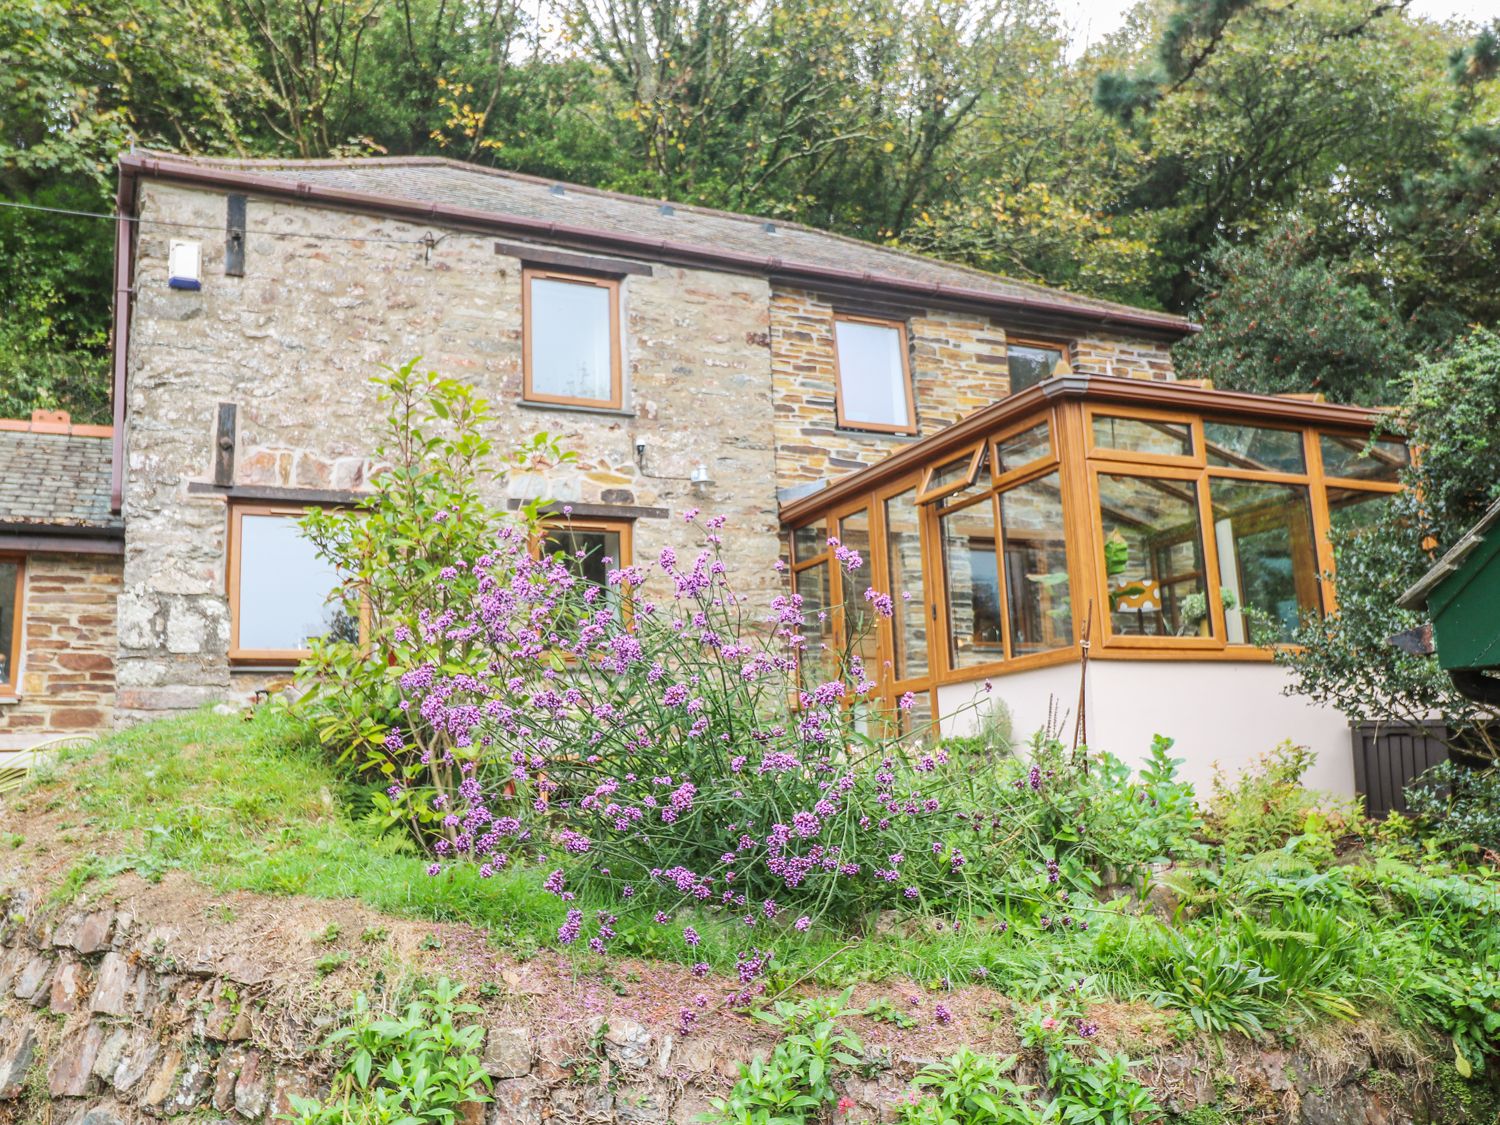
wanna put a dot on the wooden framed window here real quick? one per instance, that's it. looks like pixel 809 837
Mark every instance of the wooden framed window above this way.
pixel 1144 437
pixel 281 594
pixel 956 473
pixel 570 339
pixel 1154 573
pixel 1019 449
pixel 592 546
pixel 12 613
pixel 1029 362
pixel 873 377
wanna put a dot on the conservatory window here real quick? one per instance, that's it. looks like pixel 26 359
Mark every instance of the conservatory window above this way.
pixel 282 595
pixel 1356 457
pixel 1153 557
pixel 971 579
pixel 1036 566
pixel 571 339
pixel 1268 571
pixel 1253 448
pixel 874 385
pixel 903 546
pixel 1148 437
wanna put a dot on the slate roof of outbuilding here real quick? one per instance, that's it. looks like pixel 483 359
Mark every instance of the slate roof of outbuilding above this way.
pixel 450 183
pixel 55 480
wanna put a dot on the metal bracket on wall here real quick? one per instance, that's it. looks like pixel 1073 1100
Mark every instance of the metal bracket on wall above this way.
pixel 234 237
pixel 224 445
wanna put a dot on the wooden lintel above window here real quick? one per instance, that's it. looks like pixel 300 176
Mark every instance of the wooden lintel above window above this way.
pixel 561 259
pixel 598 511
pixel 271 494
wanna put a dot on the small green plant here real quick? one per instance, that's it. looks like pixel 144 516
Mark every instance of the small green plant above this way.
pixel 796 1083
pixel 1208 979
pixel 374 935
pixel 330 933
pixel 414 1069
pixel 968 1088
pixel 883 1010
pixel 331 963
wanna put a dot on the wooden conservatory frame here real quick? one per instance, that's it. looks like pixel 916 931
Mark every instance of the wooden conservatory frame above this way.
pixel 1076 457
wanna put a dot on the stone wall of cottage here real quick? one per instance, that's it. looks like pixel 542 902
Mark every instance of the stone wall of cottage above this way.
pixel 68 649
pixel 327 297
pixel 958 366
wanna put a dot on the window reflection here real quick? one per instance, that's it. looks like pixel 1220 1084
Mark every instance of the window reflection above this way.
pixel 571 340
pixel 971 577
pixel 283 600
pixel 1022 449
pixel 1143 435
pixel 1036 566
pixel 1254 447
pixel 1153 557
pixel 904 564
pixel 1357 458
pixel 1029 364
pixel 1267 565
pixel 10 602
pixel 1354 509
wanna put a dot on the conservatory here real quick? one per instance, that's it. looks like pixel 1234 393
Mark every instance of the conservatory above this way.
pixel 1171 534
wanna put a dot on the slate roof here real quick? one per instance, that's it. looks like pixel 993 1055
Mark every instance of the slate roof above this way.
pixel 441 182
pixel 55 480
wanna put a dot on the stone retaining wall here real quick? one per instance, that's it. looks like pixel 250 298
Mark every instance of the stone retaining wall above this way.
pixel 107 1018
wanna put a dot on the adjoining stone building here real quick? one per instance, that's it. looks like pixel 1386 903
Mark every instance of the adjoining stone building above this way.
pixel 690 357
pixel 61 554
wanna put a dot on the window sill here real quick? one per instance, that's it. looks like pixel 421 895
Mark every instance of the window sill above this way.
pixel 8 700
pixel 889 434
pixel 575 408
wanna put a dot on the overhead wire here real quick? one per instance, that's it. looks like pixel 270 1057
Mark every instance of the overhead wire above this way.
pixel 425 240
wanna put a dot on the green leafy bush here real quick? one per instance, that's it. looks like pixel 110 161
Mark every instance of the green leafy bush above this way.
pixel 1265 806
pixel 1458 804
pixel 417 1068
pixel 395 552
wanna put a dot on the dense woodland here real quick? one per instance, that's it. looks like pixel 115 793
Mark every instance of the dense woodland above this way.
pixel 1317 180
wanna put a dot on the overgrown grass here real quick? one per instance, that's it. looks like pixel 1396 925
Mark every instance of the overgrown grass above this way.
pixel 254 805
pixel 1260 944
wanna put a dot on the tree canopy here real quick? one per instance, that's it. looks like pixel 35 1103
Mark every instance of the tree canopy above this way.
pixel 1163 166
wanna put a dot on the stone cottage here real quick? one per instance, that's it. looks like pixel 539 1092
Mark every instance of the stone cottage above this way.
pixel 986 442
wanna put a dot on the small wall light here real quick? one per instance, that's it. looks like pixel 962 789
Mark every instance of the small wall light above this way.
pixel 700 478
pixel 184 261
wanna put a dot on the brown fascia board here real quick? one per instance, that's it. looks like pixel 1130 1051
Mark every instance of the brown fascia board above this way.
pixel 1095 388
pixel 665 250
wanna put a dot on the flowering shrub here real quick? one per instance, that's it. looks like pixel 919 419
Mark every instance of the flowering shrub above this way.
pixel 669 753
pixel 400 553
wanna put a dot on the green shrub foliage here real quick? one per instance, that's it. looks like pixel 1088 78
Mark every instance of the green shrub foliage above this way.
pixel 1451 413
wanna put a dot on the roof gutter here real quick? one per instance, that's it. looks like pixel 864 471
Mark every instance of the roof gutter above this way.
pixel 1156 324
pixel 124 270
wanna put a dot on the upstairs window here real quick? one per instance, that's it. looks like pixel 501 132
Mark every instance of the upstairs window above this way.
pixel 12 581
pixel 571 339
pixel 281 594
pixel 1028 362
pixel 874 383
